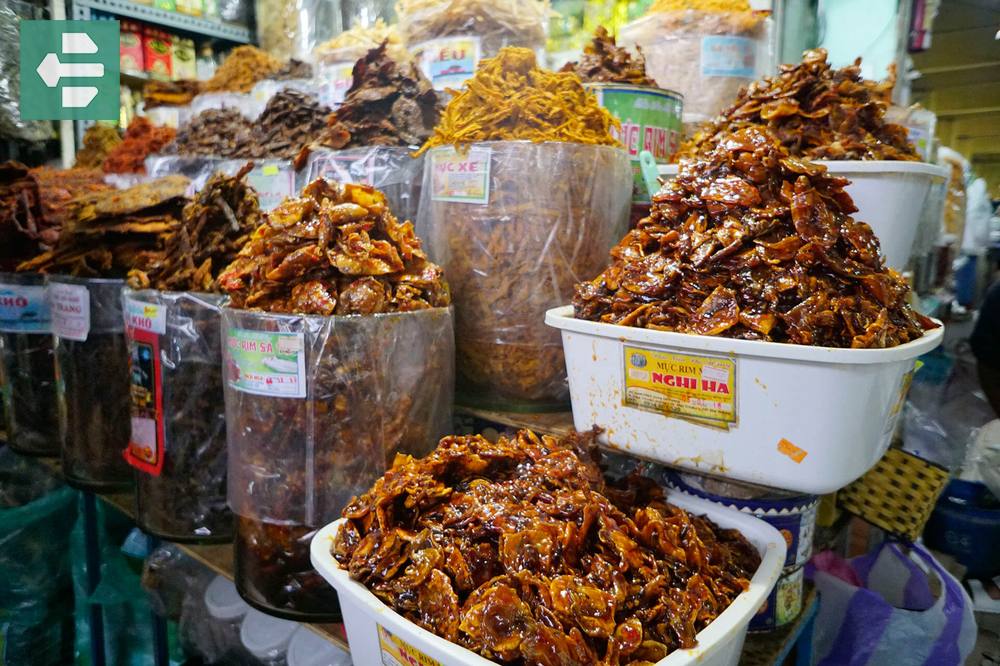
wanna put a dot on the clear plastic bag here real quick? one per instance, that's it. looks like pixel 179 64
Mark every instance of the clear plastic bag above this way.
pixel 553 212
pixel 169 576
pixel 178 443
pixel 705 56
pixel 293 28
pixel 389 169
pixel 11 124
pixel 93 372
pixel 246 104
pixel 448 39
pixel 28 358
pixel 316 407
pixel 36 608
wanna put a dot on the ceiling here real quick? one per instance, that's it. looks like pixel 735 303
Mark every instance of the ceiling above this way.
pixel 959 79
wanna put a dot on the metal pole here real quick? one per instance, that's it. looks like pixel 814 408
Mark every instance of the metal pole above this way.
pixel 93 552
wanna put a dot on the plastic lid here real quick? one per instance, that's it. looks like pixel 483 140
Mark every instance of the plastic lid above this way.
pixel 309 649
pixel 264 636
pixel 223 601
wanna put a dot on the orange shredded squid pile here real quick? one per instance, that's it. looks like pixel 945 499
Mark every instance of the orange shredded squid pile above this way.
pixel 511 98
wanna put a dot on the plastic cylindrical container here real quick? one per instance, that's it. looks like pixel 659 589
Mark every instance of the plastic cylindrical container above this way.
pixel 28 358
pixel 93 380
pixel 792 514
pixel 266 638
pixel 178 425
pixel 794 417
pixel 706 56
pixel 373 628
pixel 783 605
pixel 891 196
pixel 307 648
pixel 516 225
pixel 210 622
pixel 966 524
pixel 390 169
pixel 316 407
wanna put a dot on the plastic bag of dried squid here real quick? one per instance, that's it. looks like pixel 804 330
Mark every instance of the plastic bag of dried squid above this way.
pixel 93 387
pixel 178 443
pixel 390 169
pixel 28 365
pixel 704 49
pixel 316 407
pixel 514 224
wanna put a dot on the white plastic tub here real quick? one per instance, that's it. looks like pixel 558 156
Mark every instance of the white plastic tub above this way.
pixel 890 196
pixel 374 629
pixel 808 419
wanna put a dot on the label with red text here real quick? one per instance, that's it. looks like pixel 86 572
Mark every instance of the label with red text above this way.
pixel 449 61
pixel 397 652
pixel 266 363
pixel 69 306
pixel 695 388
pixel 145 316
pixel 146 444
pixel 461 177
pixel 24 309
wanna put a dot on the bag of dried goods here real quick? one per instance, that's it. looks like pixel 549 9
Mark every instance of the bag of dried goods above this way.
pixel 173 321
pixel 449 38
pixel 28 368
pixel 242 68
pixel 522 552
pixel 817 112
pixel 526 204
pixel 338 354
pixel 292 28
pixel 106 234
pixel 704 49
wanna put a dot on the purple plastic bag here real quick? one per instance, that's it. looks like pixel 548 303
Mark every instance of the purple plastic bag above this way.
pixel 879 609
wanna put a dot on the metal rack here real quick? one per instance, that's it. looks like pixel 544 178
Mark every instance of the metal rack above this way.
pixel 81 10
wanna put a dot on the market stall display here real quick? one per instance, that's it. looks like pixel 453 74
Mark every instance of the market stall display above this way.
pixel 528 584
pixel 27 365
pixel 817 112
pixel 704 49
pixel 173 323
pixel 449 39
pixel 337 328
pixel 549 196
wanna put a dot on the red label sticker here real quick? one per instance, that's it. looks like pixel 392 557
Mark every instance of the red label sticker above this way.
pixel 145 447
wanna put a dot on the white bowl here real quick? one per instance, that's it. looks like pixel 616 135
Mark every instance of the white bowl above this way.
pixel 374 629
pixel 796 417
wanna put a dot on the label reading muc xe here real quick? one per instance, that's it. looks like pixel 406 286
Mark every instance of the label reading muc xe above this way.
pixel 397 652
pixel 695 388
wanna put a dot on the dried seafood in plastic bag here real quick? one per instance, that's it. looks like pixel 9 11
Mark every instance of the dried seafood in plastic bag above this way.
pixel 142 139
pixel 604 62
pixel 98 141
pixel 337 249
pixel 352 44
pixel 749 242
pixel 170 93
pixel 389 103
pixel 521 552
pixel 242 68
pixel 816 112
pixel 215 133
pixel 511 98
pixel 109 233
pixel 293 69
pixel 290 120
pixel 214 226
pixel 34 204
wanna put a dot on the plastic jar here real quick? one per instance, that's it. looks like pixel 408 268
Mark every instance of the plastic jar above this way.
pixel 307 648
pixel 178 443
pixel 28 357
pixel 93 380
pixel 266 638
pixel 316 407
pixel 513 243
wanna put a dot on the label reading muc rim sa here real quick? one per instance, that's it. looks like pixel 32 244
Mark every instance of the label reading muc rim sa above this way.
pixel 397 652
pixel 701 389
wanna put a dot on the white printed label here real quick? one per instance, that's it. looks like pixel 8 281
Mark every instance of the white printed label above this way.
pixel 728 56
pixel 70 308
pixel 337 78
pixel 461 177
pixel 449 61
pixel 273 182
pixel 145 316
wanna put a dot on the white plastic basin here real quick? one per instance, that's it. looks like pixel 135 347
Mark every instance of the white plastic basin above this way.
pixel 890 196
pixel 801 418
pixel 375 632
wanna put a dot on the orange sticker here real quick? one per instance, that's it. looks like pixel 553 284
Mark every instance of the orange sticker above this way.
pixel 792 451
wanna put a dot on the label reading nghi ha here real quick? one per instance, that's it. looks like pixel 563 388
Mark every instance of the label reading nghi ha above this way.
pixel 695 388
